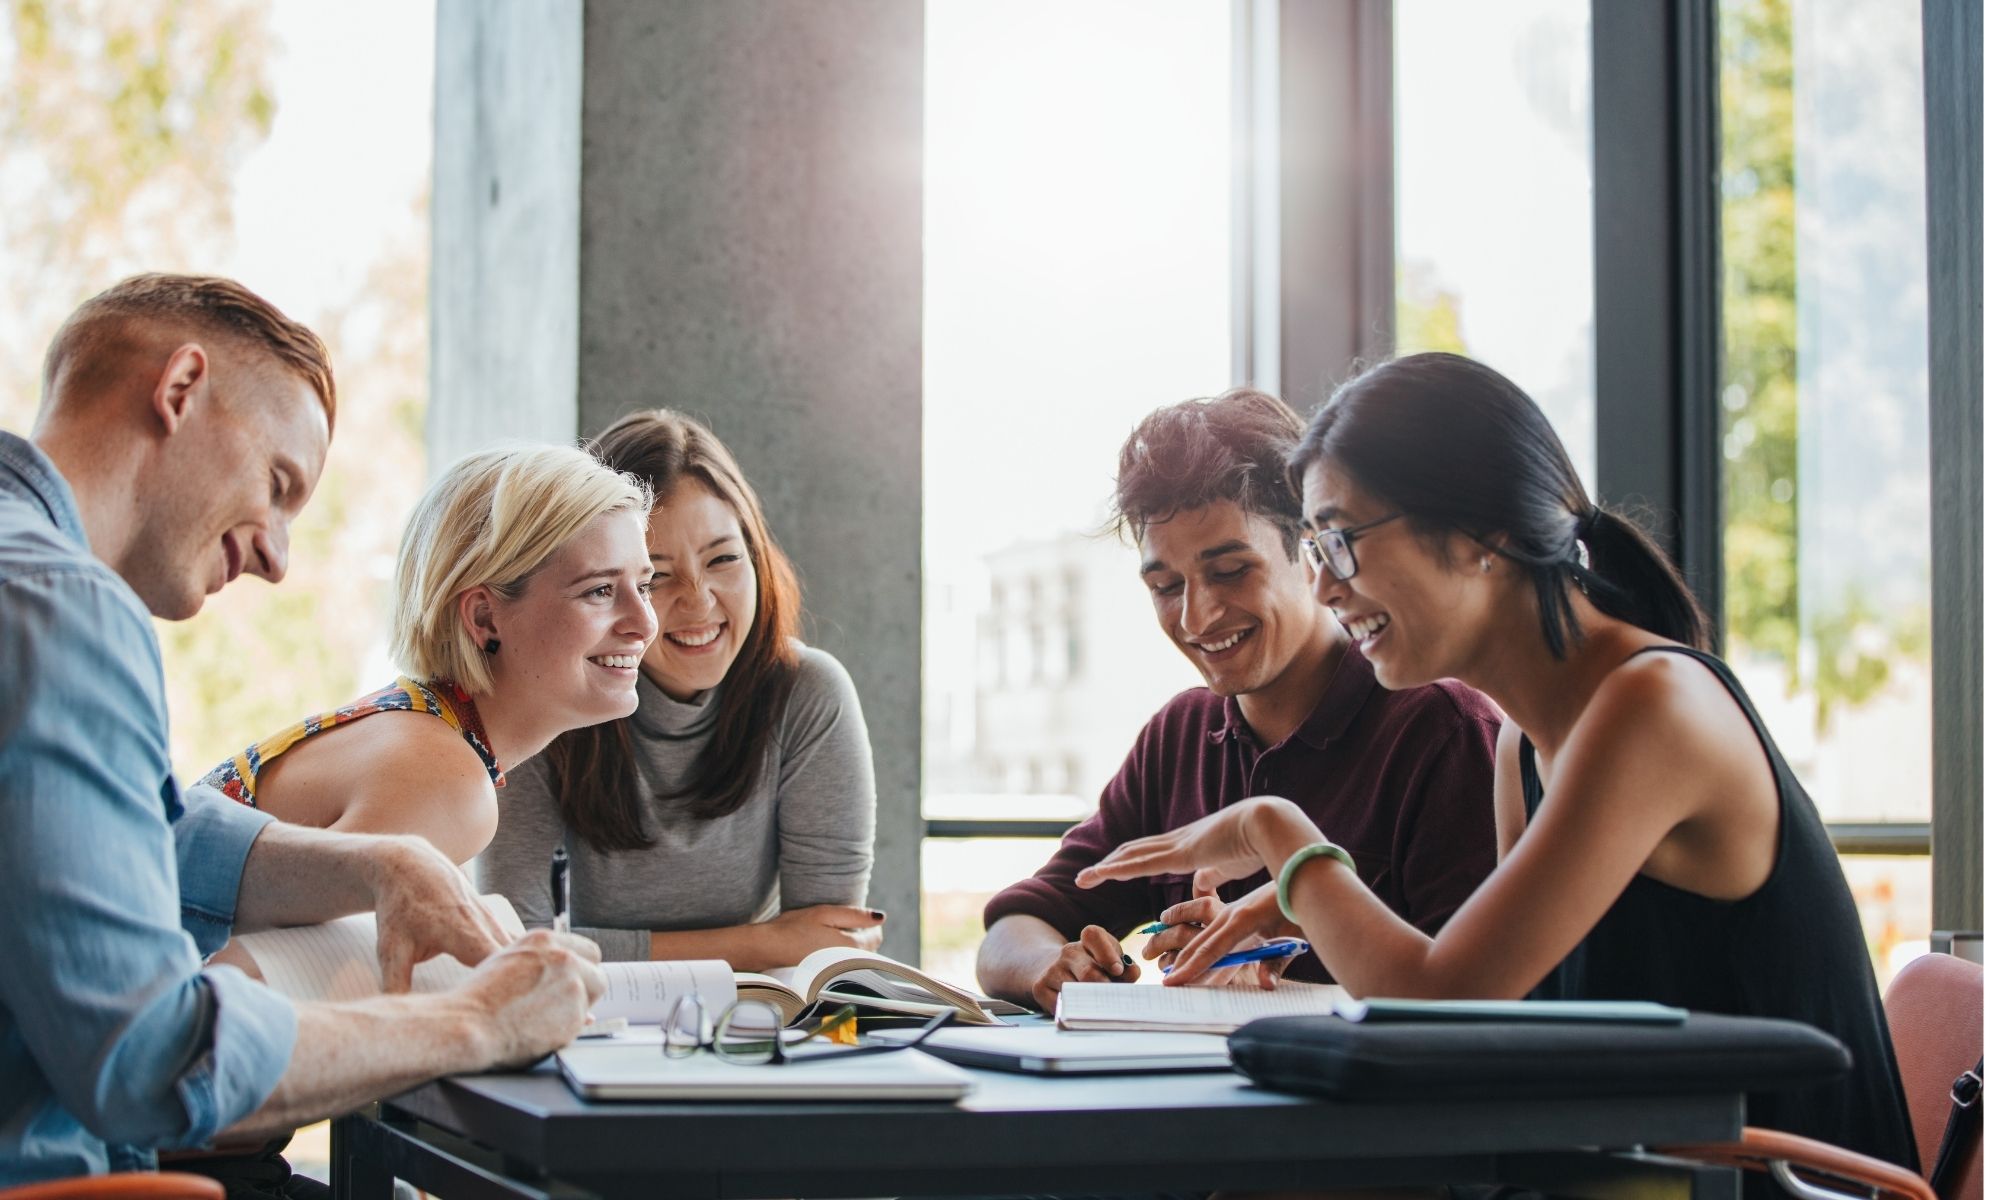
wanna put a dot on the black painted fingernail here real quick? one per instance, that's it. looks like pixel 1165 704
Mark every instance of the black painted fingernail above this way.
pixel 876 914
pixel 1127 958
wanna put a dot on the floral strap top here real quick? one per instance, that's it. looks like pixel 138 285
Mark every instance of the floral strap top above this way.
pixel 237 778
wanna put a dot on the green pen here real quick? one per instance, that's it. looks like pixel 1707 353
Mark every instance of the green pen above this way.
pixel 1163 926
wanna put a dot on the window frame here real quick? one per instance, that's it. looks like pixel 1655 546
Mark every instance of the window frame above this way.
pixel 1657 269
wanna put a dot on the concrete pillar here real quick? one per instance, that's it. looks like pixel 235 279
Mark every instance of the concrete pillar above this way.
pixel 744 242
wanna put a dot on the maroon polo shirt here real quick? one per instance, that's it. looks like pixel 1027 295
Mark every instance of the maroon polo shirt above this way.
pixel 1403 781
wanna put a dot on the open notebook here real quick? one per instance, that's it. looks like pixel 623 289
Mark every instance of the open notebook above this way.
pixel 1187 1009
pixel 336 961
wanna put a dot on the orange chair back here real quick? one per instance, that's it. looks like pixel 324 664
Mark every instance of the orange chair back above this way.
pixel 130 1185
pixel 1934 1008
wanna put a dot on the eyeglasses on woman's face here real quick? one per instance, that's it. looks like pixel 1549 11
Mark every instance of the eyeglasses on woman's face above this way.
pixel 752 1033
pixel 1332 550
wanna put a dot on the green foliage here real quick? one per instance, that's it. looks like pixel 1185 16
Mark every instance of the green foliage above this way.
pixel 1428 315
pixel 1851 649
pixel 122 125
pixel 129 120
pixel 1759 418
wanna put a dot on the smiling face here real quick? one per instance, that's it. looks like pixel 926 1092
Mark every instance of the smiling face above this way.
pixel 704 590
pixel 1226 594
pixel 1417 613
pixel 574 635
pixel 225 487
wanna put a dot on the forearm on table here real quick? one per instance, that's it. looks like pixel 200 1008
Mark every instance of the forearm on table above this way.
pixel 348 1055
pixel 744 947
pixel 1015 952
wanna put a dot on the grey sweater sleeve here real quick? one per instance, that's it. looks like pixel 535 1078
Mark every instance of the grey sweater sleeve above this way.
pixel 826 789
pixel 516 863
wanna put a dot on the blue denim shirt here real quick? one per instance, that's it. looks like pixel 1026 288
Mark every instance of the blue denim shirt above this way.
pixel 114 1041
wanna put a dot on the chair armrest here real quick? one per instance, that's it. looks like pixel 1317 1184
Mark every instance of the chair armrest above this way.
pixel 1804 1167
pixel 129 1185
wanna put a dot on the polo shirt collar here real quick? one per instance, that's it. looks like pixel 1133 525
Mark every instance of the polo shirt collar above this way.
pixel 26 471
pixel 1352 683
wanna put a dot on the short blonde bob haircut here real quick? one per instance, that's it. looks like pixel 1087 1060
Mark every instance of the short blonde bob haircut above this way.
pixel 491 521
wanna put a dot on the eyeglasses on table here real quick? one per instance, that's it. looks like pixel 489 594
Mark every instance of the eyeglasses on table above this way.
pixel 752 1033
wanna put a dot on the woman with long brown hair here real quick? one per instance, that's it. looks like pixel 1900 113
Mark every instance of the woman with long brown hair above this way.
pixel 733 815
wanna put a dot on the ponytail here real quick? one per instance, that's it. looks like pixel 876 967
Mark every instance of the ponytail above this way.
pixel 1629 578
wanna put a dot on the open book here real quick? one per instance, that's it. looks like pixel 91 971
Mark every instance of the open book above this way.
pixel 336 961
pixel 842 975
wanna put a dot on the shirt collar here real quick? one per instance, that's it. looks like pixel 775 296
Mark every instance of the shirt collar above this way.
pixel 25 471
pixel 1352 683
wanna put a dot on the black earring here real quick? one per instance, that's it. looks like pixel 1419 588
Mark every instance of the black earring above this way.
pixel 492 645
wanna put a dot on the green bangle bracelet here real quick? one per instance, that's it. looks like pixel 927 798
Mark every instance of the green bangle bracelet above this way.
pixel 1292 864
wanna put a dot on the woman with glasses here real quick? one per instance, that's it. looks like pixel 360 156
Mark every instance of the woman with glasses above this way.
pixel 1653 843
pixel 733 815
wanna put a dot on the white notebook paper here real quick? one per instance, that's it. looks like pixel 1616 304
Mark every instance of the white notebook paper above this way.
pixel 1188 1009
pixel 336 961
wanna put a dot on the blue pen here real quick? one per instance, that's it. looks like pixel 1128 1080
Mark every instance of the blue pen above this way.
pixel 1281 948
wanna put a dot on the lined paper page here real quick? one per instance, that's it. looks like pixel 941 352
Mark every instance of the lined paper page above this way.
pixel 644 992
pixel 336 961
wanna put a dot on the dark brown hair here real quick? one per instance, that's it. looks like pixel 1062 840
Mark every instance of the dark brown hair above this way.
pixel 1456 447
pixel 1192 454
pixel 596 781
pixel 108 324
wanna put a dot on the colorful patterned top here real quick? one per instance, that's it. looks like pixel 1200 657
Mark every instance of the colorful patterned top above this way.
pixel 450 703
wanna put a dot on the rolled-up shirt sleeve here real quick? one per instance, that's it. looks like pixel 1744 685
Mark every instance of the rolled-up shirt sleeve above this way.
pixel 104 985
pixel 211 843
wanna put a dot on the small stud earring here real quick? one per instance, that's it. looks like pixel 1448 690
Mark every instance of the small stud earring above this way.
pixel 1486 563
pixel 492 645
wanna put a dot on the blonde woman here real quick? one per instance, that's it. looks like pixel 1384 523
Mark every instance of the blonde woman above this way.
pixel 733 816
pixel 521 612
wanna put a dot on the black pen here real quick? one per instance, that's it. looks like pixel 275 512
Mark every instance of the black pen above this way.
pixel 559 888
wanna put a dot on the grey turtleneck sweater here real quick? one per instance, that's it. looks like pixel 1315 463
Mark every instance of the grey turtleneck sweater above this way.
pixel 805 836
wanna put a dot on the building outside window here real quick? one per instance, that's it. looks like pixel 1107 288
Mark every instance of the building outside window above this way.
pixel 1076 275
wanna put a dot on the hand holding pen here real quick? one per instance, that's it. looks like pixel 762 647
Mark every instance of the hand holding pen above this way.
pixel 1094 957
pixel 559 890
pixel 1220 929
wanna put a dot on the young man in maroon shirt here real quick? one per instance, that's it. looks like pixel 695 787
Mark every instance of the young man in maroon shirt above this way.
pixel 1403 780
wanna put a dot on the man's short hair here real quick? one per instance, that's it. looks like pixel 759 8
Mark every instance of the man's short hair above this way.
pixel 198 305
pixel 1192 454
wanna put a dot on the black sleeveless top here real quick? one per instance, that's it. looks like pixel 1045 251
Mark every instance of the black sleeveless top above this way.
pixel 1791 949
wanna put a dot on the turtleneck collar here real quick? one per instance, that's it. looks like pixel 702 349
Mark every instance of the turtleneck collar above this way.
pixel 660 715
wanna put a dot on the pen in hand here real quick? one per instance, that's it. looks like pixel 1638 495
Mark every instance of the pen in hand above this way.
pixel 559 889
pixel 1281 948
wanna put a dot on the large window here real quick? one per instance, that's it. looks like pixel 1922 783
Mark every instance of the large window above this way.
pixel 1493 228
pixel 1824 417
pixel 1076 276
